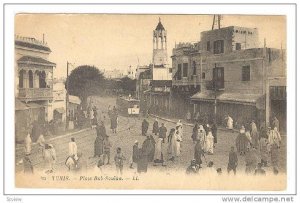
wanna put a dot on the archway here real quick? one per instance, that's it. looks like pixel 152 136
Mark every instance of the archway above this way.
pixel 42 79
pixel 30 73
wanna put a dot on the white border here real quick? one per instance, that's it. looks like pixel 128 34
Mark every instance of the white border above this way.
pixel 11 10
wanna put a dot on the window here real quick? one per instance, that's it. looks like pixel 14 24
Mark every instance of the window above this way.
pixel 30 79
pixel 203 75
pixel 179 72
pixel 185 70
pixel 21 79
pixel 170 70
pixel 208 46
pixel 194 68
pixel 246 73
pixel 238 46
pixel 218 46
pixel 218 77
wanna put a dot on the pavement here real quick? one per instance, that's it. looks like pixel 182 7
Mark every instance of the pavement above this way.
pixel 129 130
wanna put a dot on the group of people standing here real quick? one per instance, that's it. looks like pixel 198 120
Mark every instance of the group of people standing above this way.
pixel 259 148
pixel 173 140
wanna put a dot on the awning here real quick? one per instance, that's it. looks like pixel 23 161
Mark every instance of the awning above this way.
pixel 20 106
pixel 233 98
pixel 33 105
pixel 60 110
pixel 238 97
pixel 204 96
pixel 74 99
pixel 147 91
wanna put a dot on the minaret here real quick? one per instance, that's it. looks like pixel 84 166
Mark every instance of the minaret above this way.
pixel 159 45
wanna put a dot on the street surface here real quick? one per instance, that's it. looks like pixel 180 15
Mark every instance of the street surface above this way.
pixel 129 130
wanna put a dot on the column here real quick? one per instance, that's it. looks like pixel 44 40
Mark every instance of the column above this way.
pixel 25 79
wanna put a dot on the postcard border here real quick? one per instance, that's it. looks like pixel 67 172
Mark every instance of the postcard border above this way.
pixel 293 4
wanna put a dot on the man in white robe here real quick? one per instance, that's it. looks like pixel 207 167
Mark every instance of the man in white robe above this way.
pixel 178 137
pixel 229 123
pixel 28 143
pixel 49 157
pixel 209 142
pixel 73 149
pixel 202 137
pixel 274 137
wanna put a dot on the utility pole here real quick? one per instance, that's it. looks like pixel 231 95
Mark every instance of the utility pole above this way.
pixel 67 98
pixel 216 22
pixel 215 93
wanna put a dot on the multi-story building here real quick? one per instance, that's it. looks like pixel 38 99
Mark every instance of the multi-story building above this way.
pixel 186 62
pixel 239 78
pixel 33 83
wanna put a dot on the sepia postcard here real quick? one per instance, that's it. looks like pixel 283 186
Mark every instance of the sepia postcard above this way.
pixel 150 101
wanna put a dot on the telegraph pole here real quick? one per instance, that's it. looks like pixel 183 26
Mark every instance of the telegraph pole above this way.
pixel 67 98
pixel 215 92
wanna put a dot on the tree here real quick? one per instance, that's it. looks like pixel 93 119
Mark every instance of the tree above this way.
pixel 85 81
pixel 128 85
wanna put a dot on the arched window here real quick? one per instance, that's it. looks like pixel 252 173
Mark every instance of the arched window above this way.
pixel 21 78
pixel 30 79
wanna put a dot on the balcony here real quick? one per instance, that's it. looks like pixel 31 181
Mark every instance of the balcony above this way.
pixel 35 94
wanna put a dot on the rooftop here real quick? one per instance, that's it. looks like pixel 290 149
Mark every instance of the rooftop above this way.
pixel 32 43
pixel 159 26
pixel 35 60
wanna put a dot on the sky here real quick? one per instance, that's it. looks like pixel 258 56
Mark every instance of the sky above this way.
pixel 114 41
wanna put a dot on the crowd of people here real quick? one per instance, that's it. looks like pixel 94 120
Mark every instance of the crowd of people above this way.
pixel 256 146
pixel 162 145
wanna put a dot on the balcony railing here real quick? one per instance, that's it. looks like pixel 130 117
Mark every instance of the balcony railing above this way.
pixel 30 94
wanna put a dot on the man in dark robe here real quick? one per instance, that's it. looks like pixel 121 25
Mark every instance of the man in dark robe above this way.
pixel 198 153
pixel 195 133
pixel 135 154
pixel 114 121
pixel 145 126
pixel 251 159
pixel 214 131
pixel 28 168
pixel 106 149
pixel 151 155
pixel 100 129
pixel 98 146
pixel 145 155
pixel 232 161
pixel 242 142
pixel 155 127
pixel 162 131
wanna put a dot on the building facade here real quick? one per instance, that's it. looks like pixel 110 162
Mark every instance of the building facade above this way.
pixel 143 79
pixel 239 76
pixel 186 80
pixel 33 83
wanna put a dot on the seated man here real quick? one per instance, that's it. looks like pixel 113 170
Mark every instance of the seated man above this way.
pixel 259 170
pixel 193 168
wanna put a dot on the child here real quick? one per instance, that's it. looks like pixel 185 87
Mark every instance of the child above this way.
pixel 119 161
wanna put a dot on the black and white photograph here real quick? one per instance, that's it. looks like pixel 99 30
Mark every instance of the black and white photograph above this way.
pixel 151 101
